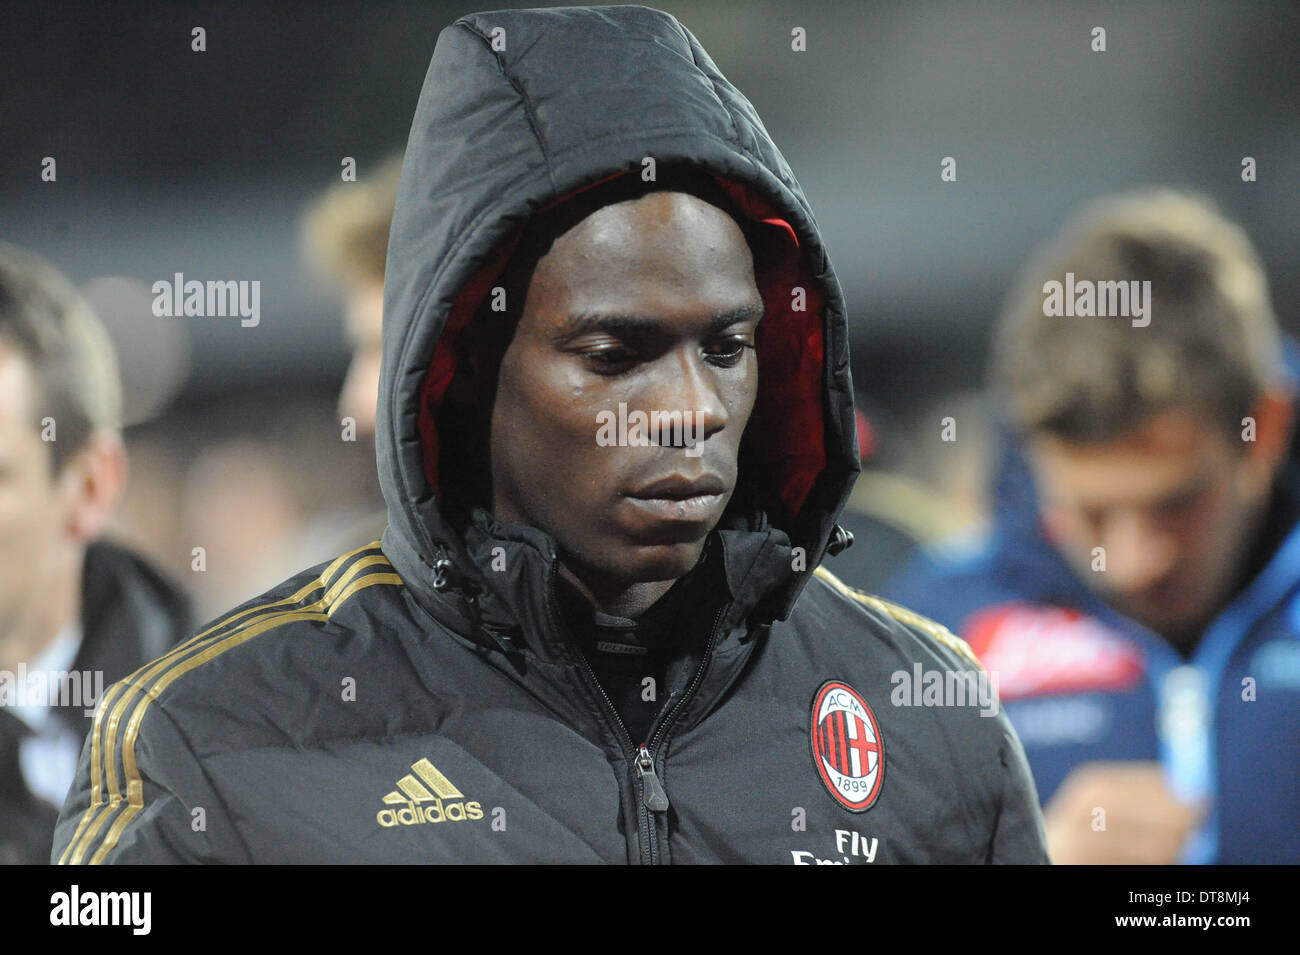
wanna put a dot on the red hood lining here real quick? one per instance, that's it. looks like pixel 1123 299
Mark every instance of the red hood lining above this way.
pixel 790 349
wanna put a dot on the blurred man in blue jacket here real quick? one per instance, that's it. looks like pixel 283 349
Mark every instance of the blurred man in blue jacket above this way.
pixel 1139 596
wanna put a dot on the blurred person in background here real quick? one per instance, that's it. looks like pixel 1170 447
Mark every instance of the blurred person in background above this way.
pixel 1139 596
pixel 242 507
pixel 345 241
pixel 76 612
pixel 903 499
pixel 345 237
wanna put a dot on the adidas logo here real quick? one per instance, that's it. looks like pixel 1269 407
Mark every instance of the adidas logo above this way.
pixel 429 798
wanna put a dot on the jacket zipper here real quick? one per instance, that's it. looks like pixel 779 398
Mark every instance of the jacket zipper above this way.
pixel 651 786
pixel 658 731
pixel 630 753
pixel 650 796
pixel 653 795
pixel 624 737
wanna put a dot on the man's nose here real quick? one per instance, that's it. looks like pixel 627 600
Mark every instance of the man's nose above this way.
pixel 1139 553
pixel 690 386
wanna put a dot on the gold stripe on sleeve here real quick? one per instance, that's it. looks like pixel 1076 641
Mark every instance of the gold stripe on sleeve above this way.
pixel 330 602
pixel 106 799
pixel 937 631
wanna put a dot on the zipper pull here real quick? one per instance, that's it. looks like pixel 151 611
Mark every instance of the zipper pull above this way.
pixel 656 800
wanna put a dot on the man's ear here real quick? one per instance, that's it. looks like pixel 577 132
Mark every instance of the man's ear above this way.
pixel 1267 442
pixel 93 480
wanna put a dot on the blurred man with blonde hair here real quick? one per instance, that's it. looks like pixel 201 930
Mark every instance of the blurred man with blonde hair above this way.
pixel 345 238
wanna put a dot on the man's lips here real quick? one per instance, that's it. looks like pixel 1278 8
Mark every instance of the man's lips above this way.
pixel 678 487
pixel 679 498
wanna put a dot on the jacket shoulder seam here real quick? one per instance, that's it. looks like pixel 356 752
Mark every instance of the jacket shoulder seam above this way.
pixel 336 570
pixel 934 630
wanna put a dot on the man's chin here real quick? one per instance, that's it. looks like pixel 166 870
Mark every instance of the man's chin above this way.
pixel 647 563
pixel 670 561
pixel 1161 617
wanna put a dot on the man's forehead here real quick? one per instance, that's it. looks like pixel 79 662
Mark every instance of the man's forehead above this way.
pixel 1172 453
pixel 547 225
pixel 636 263
pixel 17 375
pixel 661 204
pixel 18 389
pixel 648 228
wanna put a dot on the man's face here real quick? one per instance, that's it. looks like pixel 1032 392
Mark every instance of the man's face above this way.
pixel 33 502
pixel 649 303
pixel 364 323
pixel 1171 503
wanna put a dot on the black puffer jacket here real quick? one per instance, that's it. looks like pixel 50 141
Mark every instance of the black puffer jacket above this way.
pixel 419 701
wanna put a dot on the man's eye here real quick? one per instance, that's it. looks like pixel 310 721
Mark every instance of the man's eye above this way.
pixel 609 361
pixel 727 353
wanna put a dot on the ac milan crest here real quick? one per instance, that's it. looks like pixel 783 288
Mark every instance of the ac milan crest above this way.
pixel 848 750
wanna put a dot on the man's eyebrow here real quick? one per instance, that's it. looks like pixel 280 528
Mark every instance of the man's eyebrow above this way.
pixel 581 323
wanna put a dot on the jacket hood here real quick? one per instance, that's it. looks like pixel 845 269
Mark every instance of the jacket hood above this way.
pixel 521 110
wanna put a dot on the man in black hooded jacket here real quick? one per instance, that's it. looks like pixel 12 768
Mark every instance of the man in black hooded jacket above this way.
pixel 592 632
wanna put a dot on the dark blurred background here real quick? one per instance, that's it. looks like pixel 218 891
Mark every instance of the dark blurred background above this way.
pixel 172 161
